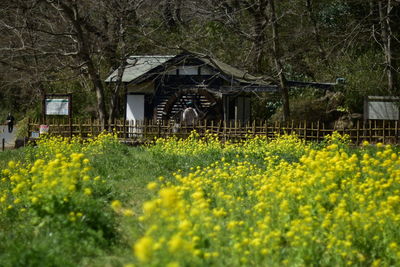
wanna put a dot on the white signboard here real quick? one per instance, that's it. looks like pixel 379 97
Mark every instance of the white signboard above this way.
pixel 58 106
pixel 383 110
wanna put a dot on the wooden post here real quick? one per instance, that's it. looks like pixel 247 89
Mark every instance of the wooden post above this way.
pixel 318 130
pixel 80 128
pixel 144 128
pixel 358 133
pixel 230 130
pixel 305 131
pixel 292 127
pixel 279 128
pixel 396 131
pixel 3 144
pixel 29 128
pixel 235 125
pixel 219 128
pixel 383 132
pixel 59 128
pixel 124 129
pixel 224 131
pixel 370 131
pixel 312 131
pixel 91 127
pixel 70 127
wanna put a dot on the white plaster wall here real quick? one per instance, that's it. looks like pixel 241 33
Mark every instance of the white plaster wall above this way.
pixel 135 107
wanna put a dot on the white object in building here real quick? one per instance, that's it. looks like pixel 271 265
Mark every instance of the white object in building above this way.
pixel 134 113
pixel 135 107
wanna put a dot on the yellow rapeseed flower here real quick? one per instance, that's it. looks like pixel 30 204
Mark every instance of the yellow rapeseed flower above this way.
pixel 143 248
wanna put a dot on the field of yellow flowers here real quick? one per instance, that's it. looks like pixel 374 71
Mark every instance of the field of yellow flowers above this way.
pixel 274 204
pixel 53 211
pixel 200 202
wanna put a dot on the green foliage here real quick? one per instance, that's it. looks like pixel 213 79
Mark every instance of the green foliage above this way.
pixel 334 14
pixel 364 76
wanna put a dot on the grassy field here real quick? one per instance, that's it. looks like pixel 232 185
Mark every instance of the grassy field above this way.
pixel 198 202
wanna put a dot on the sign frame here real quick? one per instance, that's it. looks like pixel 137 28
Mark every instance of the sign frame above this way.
pixel 391 100
pixel 56 96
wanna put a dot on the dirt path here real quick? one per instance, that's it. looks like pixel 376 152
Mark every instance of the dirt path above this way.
pixel 9 138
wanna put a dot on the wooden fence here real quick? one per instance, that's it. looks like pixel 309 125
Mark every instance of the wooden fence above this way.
pixel 142 131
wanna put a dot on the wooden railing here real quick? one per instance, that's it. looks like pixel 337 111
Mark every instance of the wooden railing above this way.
pixel 142 131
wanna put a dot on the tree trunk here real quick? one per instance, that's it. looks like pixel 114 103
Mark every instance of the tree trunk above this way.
pixel 258 11
pixel 168 15
pixel 84 54
pixel 99 90
pixel 316 33
pixel 259 30
pixel 178 11
pixel 386 36
pixel 276 53
pixel 116 92
pixel 121 68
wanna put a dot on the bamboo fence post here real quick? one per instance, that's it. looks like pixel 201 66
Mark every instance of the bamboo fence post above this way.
pixel 292 127
pixel 370 131
pixel 91 127
pixel 305 131
pixel 224 131
pixel 124 129
pixel 80 128
pixel 265 127
pixel 279 128
pixel 363 132
pixel 390 133
pixel 318 130
pixel 219 128
pixel 396 131
pixel 229 130
pixel 312 131
pixel 235 123
pixel 59 132
pixel 145 127
pixel 383 132
pixel 70 127
pixel 358 133
pixel 118 128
